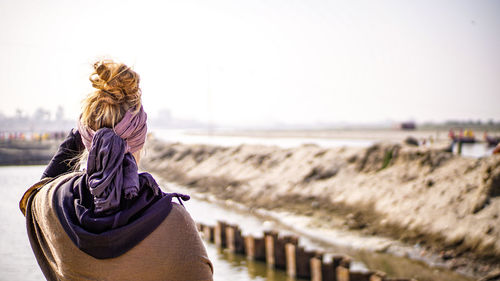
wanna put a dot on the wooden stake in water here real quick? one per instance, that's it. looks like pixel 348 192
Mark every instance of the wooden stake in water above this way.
pixel 230 229
pixel 316 274
pixel 269 250
pixel 250 247
pixel 291 266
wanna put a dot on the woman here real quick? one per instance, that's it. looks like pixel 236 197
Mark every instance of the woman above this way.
pixel 108 222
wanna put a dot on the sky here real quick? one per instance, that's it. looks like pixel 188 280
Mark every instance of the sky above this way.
pixel 255 63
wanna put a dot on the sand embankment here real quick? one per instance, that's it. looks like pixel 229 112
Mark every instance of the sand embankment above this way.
pixel 27 152
pixel 419 195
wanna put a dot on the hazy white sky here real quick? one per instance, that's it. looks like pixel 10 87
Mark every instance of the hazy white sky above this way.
pixel 260 62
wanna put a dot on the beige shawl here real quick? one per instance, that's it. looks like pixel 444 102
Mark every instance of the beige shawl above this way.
pixel 174 251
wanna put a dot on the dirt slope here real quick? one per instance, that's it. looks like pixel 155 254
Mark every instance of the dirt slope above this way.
pixel 420 195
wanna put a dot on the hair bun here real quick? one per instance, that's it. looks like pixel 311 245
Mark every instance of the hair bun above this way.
pixel 117 88
pixel 115 81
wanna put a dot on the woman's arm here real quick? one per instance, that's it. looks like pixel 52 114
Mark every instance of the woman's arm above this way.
pixel 65 158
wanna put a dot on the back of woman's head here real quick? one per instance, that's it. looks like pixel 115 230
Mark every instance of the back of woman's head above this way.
pixel 117 90
pixel 112 128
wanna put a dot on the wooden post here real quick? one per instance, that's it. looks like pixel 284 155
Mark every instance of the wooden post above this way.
pixel 254 248
pixel 316 273
pixel 291 266
pixel 230 243
pixel 239 243
pixel 249 247
pixel 344 263
pixel 217 235
pixel 269 241
pixel 208 233
pixel 279 249
pixel 260 249
pixel 220 234
pixel 303 262
pixel 328 272
pixel 329 269
pixel 342 273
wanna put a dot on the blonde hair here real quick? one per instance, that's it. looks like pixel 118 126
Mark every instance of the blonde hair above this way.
pixel 117 90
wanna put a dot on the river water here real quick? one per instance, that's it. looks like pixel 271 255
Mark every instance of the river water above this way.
pixel 184 136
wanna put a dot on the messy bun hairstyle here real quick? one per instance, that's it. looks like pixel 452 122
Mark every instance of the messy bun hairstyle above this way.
pixel 117 90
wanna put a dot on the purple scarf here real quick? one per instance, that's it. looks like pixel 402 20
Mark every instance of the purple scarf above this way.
pixel 111 171
pixel 111 168
pixel 132 128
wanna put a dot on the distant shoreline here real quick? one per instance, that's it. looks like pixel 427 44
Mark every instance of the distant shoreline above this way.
pixel 22 152
pixel 439 135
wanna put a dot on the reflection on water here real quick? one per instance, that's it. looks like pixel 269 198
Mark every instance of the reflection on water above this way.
pixel 229 266
pixel 474 150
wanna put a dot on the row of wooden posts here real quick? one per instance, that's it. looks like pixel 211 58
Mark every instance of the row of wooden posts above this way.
pixel 284 252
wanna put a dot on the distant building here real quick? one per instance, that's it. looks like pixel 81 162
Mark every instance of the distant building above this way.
pixel 407 126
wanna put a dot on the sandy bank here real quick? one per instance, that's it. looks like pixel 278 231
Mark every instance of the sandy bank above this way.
pixel 419 195
pixel 27 152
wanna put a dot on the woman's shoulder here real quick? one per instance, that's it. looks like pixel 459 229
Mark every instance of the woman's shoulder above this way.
pixel 180 215
pixel 178 225
pixel 47 183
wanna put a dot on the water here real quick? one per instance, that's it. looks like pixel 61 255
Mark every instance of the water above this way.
pixel 182 136
pixel 474 150
pixel 17 261
pixel 231 267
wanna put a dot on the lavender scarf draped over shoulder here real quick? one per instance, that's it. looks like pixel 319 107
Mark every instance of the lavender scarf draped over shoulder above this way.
pixel 111 171
pixel 111 168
